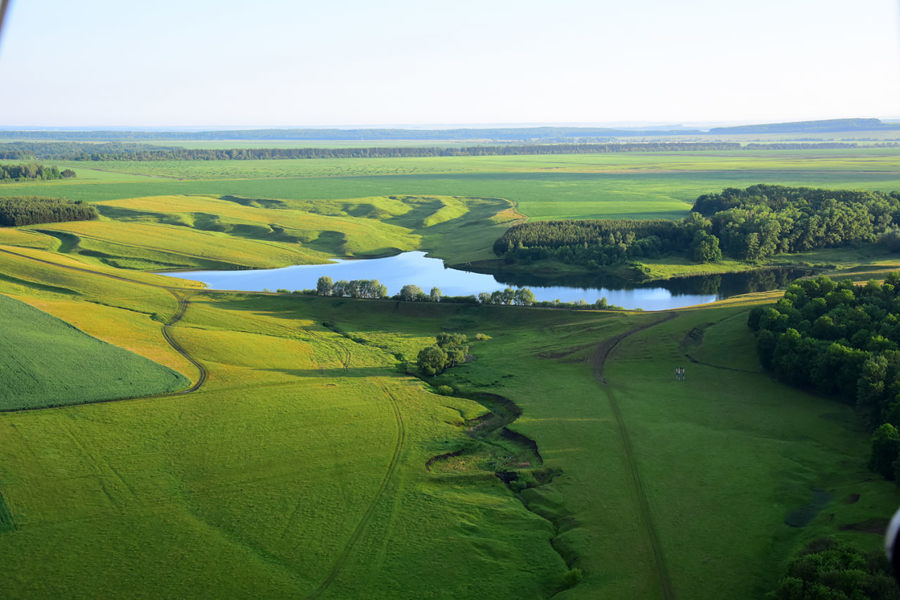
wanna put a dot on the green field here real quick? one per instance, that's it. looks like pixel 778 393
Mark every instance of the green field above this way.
pixel 643 185
pixel 310 462
pixel 37 349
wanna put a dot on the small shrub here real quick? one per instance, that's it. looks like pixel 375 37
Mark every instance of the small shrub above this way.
pixel 572 577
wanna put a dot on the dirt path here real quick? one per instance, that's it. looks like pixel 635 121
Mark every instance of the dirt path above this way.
pixel 182 297
pixel 341 561
pixel 203 372
pixel 598 362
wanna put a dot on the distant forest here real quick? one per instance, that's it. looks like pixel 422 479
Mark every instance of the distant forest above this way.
pixel 78 151
pixel 496 134
pixel 751 225
pixel 32 171
pixel 31 210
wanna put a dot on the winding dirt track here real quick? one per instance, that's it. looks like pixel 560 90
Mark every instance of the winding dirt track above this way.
pixel 598 361
pixel 183 298
pixel 367 516
pixel 180 296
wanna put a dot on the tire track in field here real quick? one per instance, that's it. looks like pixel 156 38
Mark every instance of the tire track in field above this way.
pixel 203 372
pixel 341 561
pixel 183 301
pixel 599 361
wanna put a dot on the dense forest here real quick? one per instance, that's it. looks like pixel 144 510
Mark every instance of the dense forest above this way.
pixel 753 224
pixel 833 570
pixel 842 340
pixel 31 210
pixel 593 243
pixel 33 171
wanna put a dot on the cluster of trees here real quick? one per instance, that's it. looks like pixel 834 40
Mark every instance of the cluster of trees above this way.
pixel 599 242
pixel 753 224
pixel 413 293
pixel 843 340
pixel 30 210
pixel 763 220
pixel 357 288
pixel 372 288
pixel 828 569
pixel 449 350
pixel 508 296
pixel 148 152
pixel 33 171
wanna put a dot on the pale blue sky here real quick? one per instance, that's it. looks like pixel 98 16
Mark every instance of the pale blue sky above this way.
pixel 213 63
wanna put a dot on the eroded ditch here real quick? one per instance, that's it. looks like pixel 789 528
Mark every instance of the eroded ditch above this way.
pixel 512 457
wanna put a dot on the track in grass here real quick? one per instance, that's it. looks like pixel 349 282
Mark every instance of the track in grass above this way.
pixel 599 360
pixel 203 372
pixel 367 516
pixel 183 303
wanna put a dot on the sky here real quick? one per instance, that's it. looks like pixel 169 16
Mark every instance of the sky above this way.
pixel 352 63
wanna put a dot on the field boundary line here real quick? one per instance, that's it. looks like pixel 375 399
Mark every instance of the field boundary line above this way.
pixel 182 297
pixel 599 360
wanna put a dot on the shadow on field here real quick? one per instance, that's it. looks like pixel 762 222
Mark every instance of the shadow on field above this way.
pixel 337 373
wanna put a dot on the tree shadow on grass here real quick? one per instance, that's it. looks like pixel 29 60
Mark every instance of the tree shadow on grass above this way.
pixel 337 373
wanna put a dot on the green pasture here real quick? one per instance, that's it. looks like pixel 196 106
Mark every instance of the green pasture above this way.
pixel 37 348
pixel 298 470
pixel 312 463
pixel 723 459
pixel 640 185
pixel 164 233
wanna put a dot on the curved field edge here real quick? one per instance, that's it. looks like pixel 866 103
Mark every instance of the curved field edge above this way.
pixel 266 472
pixel 46 362
pixel 164 233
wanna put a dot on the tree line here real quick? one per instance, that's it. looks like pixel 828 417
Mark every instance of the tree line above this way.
pixel 33 171
pixel 600 242
pixel 842 340
pixel 115 151
pixel 31 210
pixel 752 224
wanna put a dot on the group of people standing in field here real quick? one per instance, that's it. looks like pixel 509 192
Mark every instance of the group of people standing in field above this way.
pixel 679 373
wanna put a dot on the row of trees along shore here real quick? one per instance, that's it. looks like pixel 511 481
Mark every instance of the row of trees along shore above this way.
pixel 842 340
pixel 30 171
pixel 752 224
pixel 79 151
pixel 373 289
pixel 31 210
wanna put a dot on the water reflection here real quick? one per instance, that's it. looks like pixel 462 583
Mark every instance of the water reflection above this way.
pixel 416 268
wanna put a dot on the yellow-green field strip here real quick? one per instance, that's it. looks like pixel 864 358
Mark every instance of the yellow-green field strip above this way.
pixel 183 303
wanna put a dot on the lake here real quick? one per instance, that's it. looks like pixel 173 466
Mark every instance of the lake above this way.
pixel 416 268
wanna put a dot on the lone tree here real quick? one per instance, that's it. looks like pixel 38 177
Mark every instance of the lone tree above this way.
pixel 411 293
pixel 449 351
pixel 432 360
pixel 435 294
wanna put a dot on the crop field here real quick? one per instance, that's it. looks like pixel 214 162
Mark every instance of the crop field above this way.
pixel 642 185
pixel 294 453
pixel 36 347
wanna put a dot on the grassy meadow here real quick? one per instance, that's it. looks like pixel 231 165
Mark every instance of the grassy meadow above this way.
pixel 310 462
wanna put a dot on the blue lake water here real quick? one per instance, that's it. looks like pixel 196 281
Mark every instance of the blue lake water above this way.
pixel 416 268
